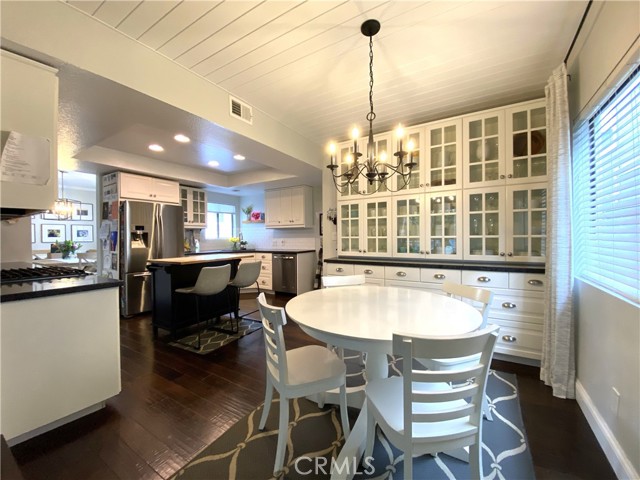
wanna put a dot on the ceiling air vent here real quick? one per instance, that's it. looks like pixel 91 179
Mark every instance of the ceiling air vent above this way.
pixel 240 110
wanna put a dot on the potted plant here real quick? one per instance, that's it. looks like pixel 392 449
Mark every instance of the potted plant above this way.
pixel 247 211
pixel 67 247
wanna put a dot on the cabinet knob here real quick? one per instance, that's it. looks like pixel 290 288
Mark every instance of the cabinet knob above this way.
pixel 508 305
pixel 439 276
pixel 422 252
pixel 502 254
pixel 340 269
pixel 484 279
pixel 510 254
pixel 368 272
pixel 263 267
pixel 509 176
pixel 501 177
pixel 364 251
pixel 401 274
pixel 509 338
pixel 537 283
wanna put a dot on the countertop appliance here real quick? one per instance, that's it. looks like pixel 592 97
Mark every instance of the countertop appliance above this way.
pixel 21 272
pixel 149 230
pixel 285 272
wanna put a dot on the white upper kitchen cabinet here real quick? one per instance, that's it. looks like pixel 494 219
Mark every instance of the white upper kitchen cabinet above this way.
pixel 363 227
pixel 194 204
pixel 289 207
pixel 526 143
pixel 139 187
pixel 484 156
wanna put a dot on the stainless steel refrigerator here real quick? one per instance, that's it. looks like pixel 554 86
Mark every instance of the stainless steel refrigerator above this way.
pixel 148 230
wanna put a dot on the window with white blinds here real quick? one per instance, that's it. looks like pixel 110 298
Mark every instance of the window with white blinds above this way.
pixel 606 203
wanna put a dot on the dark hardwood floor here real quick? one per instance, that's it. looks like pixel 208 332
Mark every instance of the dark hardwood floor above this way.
pixel 173 403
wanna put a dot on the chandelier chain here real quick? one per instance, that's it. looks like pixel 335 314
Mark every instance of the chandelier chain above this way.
pixel 371 115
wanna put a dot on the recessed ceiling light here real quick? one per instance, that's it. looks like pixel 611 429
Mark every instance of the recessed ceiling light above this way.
pixel 213 163
pixel 181 138
pixel 154 147
pixel 238 157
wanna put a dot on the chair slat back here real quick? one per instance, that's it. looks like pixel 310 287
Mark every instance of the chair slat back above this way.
pixel 329 281
pixel 273 319
pixel 247 275
pixel 480 298
pixel 425 392
pixel 212 280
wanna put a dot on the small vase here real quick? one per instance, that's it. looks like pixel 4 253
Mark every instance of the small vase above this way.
pixel 235 246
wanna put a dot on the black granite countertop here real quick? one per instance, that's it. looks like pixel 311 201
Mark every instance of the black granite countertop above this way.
pixel 58 286
pixel 255 250
pixel 516 267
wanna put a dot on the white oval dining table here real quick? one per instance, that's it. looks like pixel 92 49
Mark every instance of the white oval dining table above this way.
pixel 364 318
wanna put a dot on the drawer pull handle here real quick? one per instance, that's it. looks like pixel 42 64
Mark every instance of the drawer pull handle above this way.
pixel 340 269
pixel 263 267
pixel 439 276
pixel 484 279
pixel 509 338
pixel 537 283
pixel 401 274
pixel 368 272
pixel 508 305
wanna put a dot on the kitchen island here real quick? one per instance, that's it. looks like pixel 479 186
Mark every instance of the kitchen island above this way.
pixel 171 311
pixel 60 341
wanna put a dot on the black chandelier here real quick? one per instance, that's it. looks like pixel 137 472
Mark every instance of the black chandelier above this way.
pixel 374 168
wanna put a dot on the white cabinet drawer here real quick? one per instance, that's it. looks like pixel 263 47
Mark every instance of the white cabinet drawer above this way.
pixel 369 271
pixel 483 279
pixel 264 257
pixel 265 269
pixel 517 304
pixel 435 275
pixel 265 282
pixel 527 281
pixel 339 269
pixel 519 342
pixel 408 274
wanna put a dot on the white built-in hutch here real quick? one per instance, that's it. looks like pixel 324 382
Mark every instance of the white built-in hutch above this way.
pixel 473 211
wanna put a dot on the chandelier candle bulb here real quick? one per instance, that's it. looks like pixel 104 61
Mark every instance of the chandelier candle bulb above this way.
pixel 400 136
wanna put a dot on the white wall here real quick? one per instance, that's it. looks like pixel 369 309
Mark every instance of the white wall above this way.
pixel 608 328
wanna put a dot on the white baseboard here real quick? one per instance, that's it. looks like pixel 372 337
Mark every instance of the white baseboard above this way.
pixel 617 458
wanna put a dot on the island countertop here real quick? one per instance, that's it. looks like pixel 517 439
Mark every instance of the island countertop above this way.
pixel 195 259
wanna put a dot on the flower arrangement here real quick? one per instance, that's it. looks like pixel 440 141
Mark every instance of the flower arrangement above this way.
pixel 235 241
pixel 67 247
pixel 247 211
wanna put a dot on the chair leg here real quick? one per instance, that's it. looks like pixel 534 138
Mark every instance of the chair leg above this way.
pixel 283 433
pixel 486 410
pixel 408 464
pixel 475 461
pixel 344 413
pixel 268 397
pixel 242 317
pixel 371 434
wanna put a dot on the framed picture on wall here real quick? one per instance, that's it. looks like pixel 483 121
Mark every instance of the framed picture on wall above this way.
pixel 82 233
pixel 83 212
pixel 52 233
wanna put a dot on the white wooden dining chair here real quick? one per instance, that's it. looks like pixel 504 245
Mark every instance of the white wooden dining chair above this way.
pixel 331 281
pixel 296 373
pixel 481 299
pixel 430 412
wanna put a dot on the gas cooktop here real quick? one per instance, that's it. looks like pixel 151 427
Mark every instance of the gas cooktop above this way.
pixel 30 273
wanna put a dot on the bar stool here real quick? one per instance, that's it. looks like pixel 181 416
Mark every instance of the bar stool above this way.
pixel 248 273
pixel 211 281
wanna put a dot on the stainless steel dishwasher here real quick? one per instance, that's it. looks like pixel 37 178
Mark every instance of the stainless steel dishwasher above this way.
pixel 284 272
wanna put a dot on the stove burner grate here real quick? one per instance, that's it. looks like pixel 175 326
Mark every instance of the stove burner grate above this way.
pixel 19 275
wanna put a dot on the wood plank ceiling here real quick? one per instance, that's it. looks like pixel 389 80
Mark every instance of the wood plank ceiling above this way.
pixel 305 63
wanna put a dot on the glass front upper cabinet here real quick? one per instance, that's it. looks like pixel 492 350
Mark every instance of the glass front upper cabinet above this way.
pixel 413 144
pixel 444 228
pixel 484 149
pixel 363 227
pixel 345 162
pixel 349 219
pixel 444 155
pixel 484 224
pixel 526 143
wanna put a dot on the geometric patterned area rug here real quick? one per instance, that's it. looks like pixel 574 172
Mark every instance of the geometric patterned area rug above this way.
pixel 211 340
pixel 315 436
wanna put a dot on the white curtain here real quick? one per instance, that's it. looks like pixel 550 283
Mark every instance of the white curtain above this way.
pixel 558 344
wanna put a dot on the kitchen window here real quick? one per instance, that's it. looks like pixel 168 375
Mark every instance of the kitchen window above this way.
pixel 606 200
pixel 221 221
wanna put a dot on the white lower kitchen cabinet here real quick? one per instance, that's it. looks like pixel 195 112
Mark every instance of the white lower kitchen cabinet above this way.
pixel 518 305
pixel 60 360
pixel 265 280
